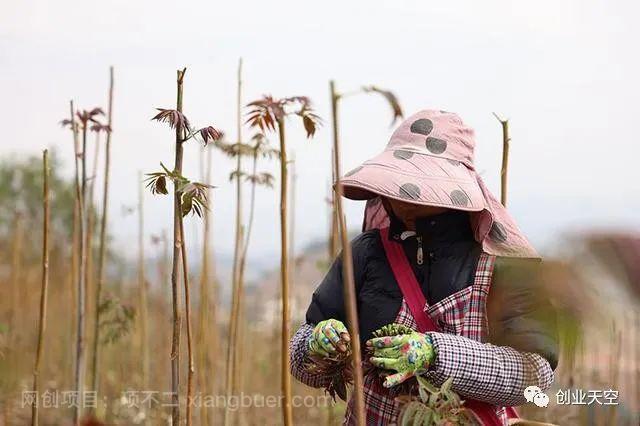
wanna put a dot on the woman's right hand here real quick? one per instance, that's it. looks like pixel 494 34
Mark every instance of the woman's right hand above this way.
pixel 328 337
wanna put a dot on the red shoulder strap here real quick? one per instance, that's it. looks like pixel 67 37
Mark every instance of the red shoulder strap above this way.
pixel 412 294
pixel 407 281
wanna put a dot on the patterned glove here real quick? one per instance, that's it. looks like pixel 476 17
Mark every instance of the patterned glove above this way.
pixel 327 337
pixel 408 354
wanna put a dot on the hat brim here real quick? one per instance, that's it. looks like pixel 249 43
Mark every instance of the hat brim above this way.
pixel 414 177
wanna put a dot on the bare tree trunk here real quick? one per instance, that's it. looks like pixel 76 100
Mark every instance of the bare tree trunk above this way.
pixel 91 217
pixel 81 188
pixel 102 249
pixel 347 272
pixel 75 266
pixel 90 282
pixel 205 344
pixel 45 284
pixel 287 413
pixel 241 325
pixel 175 267
pixel 230 386
pixel 506 139
pixel 292 219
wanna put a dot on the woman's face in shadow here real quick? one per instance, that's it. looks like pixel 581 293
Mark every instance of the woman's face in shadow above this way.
pixel 409 212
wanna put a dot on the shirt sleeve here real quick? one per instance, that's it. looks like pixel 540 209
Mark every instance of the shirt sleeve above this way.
pixel 522 344
pixel 494 374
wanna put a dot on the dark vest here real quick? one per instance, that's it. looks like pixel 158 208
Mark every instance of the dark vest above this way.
pixel 449 261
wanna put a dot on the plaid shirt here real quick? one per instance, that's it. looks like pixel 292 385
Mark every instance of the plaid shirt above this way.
pixel 481 371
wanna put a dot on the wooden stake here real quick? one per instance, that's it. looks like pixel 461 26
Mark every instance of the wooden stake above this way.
pixel 175 265
pixel 42 322
pixel 81 187
pixel 351 306
pixel 102 249
pixel 287 413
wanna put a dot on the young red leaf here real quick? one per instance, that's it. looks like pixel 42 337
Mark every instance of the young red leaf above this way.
pixel 210 134
pixel 174 118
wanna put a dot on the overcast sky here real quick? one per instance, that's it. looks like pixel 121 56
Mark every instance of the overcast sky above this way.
pixel 564 72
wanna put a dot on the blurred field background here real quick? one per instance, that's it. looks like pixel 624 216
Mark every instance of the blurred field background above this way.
pixel 561 73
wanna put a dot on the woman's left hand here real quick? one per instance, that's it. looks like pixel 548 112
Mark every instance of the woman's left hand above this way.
pixel 407 354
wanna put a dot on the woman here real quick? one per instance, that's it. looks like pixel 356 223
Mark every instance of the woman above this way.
pixel 470 291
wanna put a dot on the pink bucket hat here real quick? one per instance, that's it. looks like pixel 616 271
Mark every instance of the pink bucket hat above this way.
pixel 429 161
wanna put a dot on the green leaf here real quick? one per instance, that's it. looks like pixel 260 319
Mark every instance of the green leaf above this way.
pixel 433 399
pixel 419 418
pixel 422 392
pixel 425 383
pixel 165 169
pixel 446 386
pixel 410 412
pixel 428 418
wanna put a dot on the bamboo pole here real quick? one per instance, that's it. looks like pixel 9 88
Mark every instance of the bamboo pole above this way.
pixel 287 413
pixel 347 270
pixel 102 248
pixel 175 266
pixel 506 139
pixel 42 324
